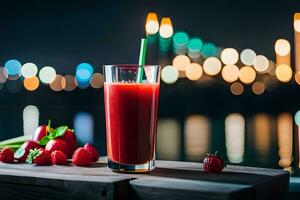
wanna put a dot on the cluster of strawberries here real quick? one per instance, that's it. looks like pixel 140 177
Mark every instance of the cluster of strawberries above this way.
pixel 51 146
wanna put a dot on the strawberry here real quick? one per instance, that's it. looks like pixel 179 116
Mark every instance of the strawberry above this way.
pixel 58 158
pixel 70 138
pixel 81 157
pixel 38 157
pixel 90 148
pixel 56 144
pixel 23 151
pixel 213 163
pixel 7 155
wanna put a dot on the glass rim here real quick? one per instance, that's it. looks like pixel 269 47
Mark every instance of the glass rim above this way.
pixel 133 66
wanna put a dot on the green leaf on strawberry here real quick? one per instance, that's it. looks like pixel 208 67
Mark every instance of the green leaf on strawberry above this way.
pixel 44 140
pixel 19 153
pixel 58 132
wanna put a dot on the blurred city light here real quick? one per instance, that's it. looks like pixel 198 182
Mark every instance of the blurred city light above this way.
pixel 31 116
pixel 29 70
pixel 196 136
pixel 229 56
pixel 166 28
pixel 181 62
pixel 247 74
pixel 70 83
pixel 212 66
pixel 58 84
pixel 3 75
pixel 180 42
pixel 13 67
pixel 258 88
pixel 297 41
pixel 261 64
pixel 283 73
pixel 209 50
pixel 282 50
pixel 169 74
pixel 237 88
pixel 47 75
pixel 84 127
pixel 152 25
pixel 285 139
pixel 262 134
pixel 230 73
pixel 97 81
pixel 194 47
pixel 193 71
pixel 168 139
pixel 235 137
pixel 31 83
pixel 248 57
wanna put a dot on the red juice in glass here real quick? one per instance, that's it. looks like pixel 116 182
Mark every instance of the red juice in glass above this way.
pixel 131 118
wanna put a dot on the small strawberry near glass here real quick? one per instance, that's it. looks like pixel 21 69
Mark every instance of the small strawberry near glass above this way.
pixel 48 146
pixel 213 163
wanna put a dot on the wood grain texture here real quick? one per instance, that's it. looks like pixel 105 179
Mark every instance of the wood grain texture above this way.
pixel 170 180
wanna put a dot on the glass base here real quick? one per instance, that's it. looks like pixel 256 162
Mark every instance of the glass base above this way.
pixel 142 168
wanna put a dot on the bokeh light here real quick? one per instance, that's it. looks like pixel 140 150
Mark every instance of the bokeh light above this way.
pixel 193 71
pixel 297 22
pixel 47 74
pixel 58 84
pixel 84 127
pixel 180 42
pixel 84 72
pixel 169 139
pixel 209 50
pixel 13 67
pixel 181 62
pixel 258 88
pixel 297 118
pixel 247 74
pixel 262 125
pixel 282 47
pixel 229 56
pixel 230 73
pixel 283 73
pixel 285 139
pixel 97 81
pixel 31 83
pixel 261 64
pixel 237 88
pixel 3 75
pixel 166 28
pixel 271 68
pixel 29 70
pixel 70 83
pixel 194 47
pixel 235 137
pixel 169 74
pixel 248 57
pixel 212 66
pixel 197 132
pixel 152 25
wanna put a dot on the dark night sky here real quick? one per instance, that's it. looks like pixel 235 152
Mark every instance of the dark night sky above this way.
pixel 65 33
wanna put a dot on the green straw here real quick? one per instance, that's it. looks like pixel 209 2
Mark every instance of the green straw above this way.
pixel 142 59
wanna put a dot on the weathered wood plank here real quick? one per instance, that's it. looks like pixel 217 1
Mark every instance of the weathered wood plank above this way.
pixel 170 180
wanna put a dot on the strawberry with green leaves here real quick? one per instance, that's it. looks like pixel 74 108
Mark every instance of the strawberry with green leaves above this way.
pixel 39 157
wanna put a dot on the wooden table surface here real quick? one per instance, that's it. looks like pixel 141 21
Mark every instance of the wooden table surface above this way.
pixel 170 180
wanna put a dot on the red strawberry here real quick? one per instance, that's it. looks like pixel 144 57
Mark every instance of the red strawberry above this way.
pixel 7 155
pixel 90 148
pixel 70 138
pixel 38 157
pixel 58 158
pixel 213 163
pixel 23 151
pixel 81 157
pixel 69 150
pixel 56 144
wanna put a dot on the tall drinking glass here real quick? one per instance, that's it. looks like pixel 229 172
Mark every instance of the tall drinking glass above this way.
pixel 131 116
